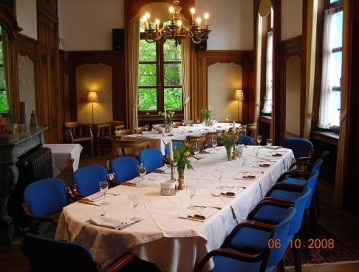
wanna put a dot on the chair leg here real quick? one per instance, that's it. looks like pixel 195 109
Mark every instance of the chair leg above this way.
pixel 297 261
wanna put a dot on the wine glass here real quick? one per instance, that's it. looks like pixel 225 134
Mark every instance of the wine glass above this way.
pixel 196 150
pixel 191 191
pixel 147 126
pixel 198 120
pixel 218 172
pixel 269 142
pixel 141 172
pixel 134 200
pixel 242 160
pixel 214 144
pixel 259 139
pixel 227 118
pixel 103 189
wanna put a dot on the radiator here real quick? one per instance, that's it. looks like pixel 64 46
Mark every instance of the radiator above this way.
pixel 32 166
pixel 36 165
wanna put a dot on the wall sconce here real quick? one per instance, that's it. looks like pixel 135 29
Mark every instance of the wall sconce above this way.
pixel 92 97
pixel 238 96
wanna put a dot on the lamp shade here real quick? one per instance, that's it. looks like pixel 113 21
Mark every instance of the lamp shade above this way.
pixel 238 95
pixel 92 97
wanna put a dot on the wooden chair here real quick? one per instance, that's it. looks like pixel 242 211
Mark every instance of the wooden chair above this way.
pixel 176 124
pixel 200 140
pixel 210 136
pixel 156 126
pixel 106 133
pixel 118 136
pixel 75 132
pixel 188 122
pixel 136 147
pixel 139 129
pixel 251 130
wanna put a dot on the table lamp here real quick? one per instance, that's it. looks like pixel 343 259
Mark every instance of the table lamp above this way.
pixel 92 97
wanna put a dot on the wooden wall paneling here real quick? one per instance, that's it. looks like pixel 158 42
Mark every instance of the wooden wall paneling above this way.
pixel 48 98
pixel 113 59
pixel 242 58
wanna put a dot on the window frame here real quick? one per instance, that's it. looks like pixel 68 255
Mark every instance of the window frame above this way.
pixel 160 82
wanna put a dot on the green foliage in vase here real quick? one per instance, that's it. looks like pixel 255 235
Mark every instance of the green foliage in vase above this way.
pixel 181 155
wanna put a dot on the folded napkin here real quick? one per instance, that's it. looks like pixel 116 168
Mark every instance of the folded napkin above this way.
pixel 202 214
pixel 96 197
pixel 277 154
pixel 275 147
pixel 247 175
pixel 111 223
pixel 227 191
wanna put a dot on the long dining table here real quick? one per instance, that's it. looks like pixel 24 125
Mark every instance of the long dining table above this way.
pixel 169 234
pixel 159 140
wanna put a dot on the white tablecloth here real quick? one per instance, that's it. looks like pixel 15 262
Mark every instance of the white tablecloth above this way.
pixel 63 155
pixel 159 141
pixel 175 244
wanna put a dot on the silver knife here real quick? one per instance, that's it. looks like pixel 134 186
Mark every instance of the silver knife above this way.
pixel 234 215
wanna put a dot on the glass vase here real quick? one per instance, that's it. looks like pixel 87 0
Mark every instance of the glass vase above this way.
pixel 180 171
pixel 229 153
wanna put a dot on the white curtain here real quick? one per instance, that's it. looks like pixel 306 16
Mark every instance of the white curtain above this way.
pixel 326 113
pixel 132 70
pixel 267 108
pixel 186 77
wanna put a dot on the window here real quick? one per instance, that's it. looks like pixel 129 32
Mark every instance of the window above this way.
pixel 3 99
pixel 267 107
pixel 330 98
pixel 160 77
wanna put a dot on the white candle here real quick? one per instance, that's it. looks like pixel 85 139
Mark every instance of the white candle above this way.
pixel 171 150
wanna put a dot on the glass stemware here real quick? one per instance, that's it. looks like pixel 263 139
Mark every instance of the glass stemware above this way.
pixel 214 144
pixel 147 126
pixel 196 150
pixel 242 160
pixel 134 200
pixel 141 172
pixel 103 189
pixel 191 191
pixel 269 142
pixel 259 139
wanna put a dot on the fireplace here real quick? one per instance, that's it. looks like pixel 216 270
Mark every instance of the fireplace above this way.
pixel 10 155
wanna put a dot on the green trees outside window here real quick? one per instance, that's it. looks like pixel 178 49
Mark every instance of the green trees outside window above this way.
pixel 3 98
pixel 160 77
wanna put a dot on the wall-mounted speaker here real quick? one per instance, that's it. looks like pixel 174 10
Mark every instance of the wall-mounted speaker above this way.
pixel 201 46
pixel 118 39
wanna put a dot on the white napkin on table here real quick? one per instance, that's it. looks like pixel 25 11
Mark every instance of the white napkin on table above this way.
pixel 96 197
pixel 111 223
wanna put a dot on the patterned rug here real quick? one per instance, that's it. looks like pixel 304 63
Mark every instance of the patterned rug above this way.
pixel 321 248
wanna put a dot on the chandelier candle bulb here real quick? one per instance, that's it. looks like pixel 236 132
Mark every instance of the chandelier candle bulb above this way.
pixel 206 16
pixel 193 11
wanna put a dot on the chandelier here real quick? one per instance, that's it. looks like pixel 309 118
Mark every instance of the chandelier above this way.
pixel 176 29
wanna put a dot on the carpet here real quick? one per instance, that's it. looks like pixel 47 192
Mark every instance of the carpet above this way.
pixel 324 248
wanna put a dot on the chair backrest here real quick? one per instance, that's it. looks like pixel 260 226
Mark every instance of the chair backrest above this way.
pixel 300 147
pixel 246 140
pixel 139 129
pixel 200 140
pixel 45 254
pixel 135 147
pixel 125 168
pixel 312 184
pixel 281 233
pixel 88 177
pixel 176 124
pixel 251 130
pixel 151 159
pixel 104 131
pixel 46 197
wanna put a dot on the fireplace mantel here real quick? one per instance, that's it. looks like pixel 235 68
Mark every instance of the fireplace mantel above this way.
pixel 9 173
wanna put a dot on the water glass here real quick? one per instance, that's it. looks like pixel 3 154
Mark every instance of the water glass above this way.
pixel 191 191
pixel 147 126
pixel 141 171
pixel 103 185
pixel 259 139
pixel 214 144
pixel 269 142
pixel 134 200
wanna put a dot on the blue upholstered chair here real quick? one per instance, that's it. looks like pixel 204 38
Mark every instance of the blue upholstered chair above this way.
pixel 43 201
pixel 244 139
pixel 151 159
pixel 270 211
pixel 248 247
pixel 302 148
pixel 85 179
pixel 46 254
pixel 125 168
pixel 174 145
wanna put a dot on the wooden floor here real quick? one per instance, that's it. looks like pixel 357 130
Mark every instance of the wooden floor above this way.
pixel 344 226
